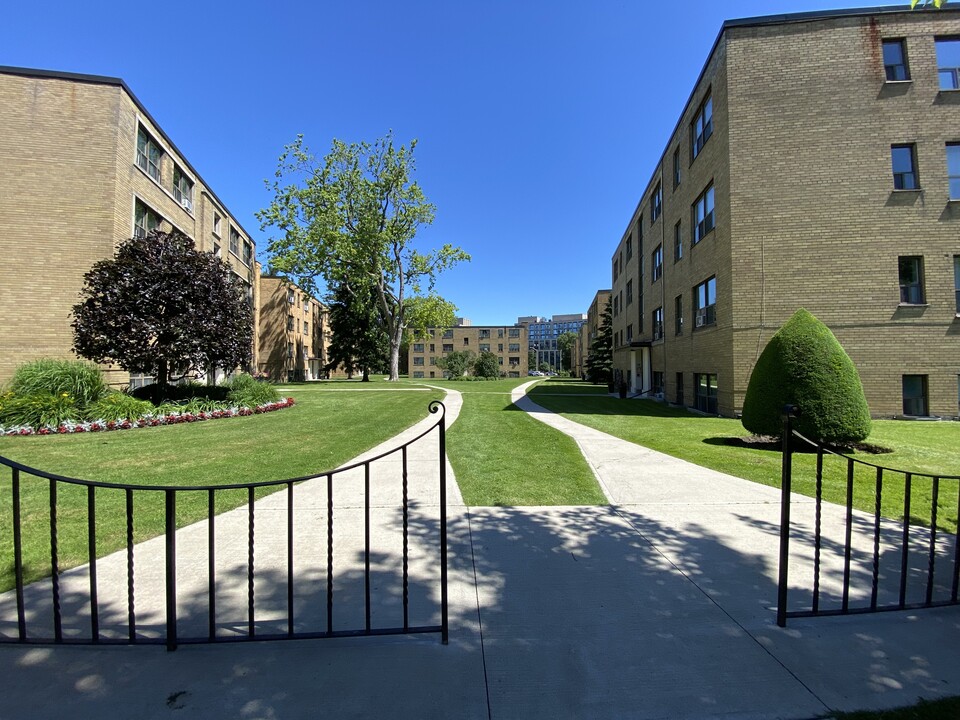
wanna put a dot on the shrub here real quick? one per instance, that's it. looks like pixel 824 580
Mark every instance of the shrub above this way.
pixel 805 365
pixel 159 394
pixel 245 390
pixel 38 409
pixel 81 381
pixel 119 406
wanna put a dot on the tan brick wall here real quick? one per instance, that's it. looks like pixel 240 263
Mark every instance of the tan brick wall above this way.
pixel 308 339
pixel 498 337
pixel 68 186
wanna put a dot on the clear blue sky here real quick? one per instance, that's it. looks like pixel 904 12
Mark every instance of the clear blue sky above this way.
pixel 539 123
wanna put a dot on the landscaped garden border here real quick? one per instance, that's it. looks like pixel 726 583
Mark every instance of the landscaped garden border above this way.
pixel 148 420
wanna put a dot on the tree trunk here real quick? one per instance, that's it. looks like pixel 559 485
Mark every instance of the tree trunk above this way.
pixel 395 353
pixel 366 374
pixel 163 374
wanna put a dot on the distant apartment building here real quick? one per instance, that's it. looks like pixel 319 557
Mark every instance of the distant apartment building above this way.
pixel 588 332
pixel 294 332
pixel 816 164
pixel 544 334
pixel 509 344
pixel 83 167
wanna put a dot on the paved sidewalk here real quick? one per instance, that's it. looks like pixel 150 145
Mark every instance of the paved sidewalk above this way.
pixel 658 606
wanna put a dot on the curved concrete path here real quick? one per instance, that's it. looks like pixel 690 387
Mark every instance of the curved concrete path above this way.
pixel 657 606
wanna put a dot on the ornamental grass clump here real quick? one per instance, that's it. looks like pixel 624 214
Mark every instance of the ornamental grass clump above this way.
pixel 805 365
pixel 119 406
pixel 81 381
pixel 37 410
pixel 246 391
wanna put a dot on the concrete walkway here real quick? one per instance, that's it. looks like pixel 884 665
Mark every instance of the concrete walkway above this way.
pixel 658 606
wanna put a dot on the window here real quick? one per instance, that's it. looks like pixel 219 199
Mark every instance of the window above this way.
pixel 499 361
pixel 144 220
pixel 658 324
pixel 702 127
pixel 629 292
pixel 656 203
pixel 418 360
pixel 703 215
pixel 640 234
pixel 706 389
pixel 448 347
pixel 680 388
pixel 615 270
pixel 433 361
pixel 484 334
pixel 657 382
pixel 466 341
pixel 484 347
pixel 289 349
pixel 289 323
pixel 291 296
pixel 629 246
pixel 948 64
pixel 956 280
pixel 447 334
pixel 911 280
pixel 306 302
pixel 915 395
pixel 433 348
pixel 182 188
pixel 216 224
pixel 678 315
pixel 629 333
pixel 895 60
pixel 500 347
pixel 677 243
pixel 953 169
pixel 418 373
pixel 657 263
pixel 306 328
pixel 418 347
pixel 676 168
pixel 514 332
pixel 148 154
pixel 216 250
pixel 234 242
pixel 514 361
pixel 499 332
pixel 705 303
pixel 514 347
pixel 248 258
pixel 904 167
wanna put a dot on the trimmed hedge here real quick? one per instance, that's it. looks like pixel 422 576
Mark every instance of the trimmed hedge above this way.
pixel 805 365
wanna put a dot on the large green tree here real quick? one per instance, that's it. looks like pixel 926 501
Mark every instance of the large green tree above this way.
pixel 358 340
pixel 486 365
pixel 162 307
pixel 457 363
pixel 350 218
pixel 805 365
pixel 600 358
pixel 565 343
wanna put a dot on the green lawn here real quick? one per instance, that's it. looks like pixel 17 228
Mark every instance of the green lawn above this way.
pixel 931 447
pixel 502 456
pixel 331 423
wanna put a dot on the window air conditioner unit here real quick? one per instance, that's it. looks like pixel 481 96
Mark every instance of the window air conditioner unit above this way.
pixel 700 319
pixel 186 203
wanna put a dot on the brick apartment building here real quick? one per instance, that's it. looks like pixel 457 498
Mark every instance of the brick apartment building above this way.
pixel 816 164
pixel 544 335
pixel 588 333
pixel 84 166
pixel 294 332
pixel 509 344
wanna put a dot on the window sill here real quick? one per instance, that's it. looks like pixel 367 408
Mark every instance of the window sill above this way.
pixel 908 81
pixel 913 305
pixel 901 191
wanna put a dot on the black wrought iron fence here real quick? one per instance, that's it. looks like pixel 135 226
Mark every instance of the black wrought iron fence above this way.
pixel 354 519
pixel 901 555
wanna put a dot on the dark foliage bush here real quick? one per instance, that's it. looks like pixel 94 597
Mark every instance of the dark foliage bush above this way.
pixel 805 365
pixel 158 394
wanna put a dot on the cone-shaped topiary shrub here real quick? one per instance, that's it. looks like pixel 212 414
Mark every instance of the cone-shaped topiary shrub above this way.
pixel 804 365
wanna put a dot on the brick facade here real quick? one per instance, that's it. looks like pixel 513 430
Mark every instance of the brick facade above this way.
pixel 805 213
pixel 509 343
pixel 73 188
pixel 294 332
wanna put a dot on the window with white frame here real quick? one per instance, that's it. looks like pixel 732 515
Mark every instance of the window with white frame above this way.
pixel 677 242
pixel 145 220
pixel 657 329
pixel 148 153
pixel 234 242
pixel 703 217
pixel 656 203
pixel 182 188
pixel 705 303
pixel 216 224
pixel 702 127
pixel 657 262
pixel 248 259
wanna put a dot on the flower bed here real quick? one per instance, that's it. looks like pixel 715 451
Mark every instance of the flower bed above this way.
pixel 148 420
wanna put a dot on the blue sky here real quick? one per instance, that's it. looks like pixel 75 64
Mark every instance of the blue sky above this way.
pixel 539 123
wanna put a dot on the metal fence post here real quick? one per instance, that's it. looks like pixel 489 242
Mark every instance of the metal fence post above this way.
pixel 789 412
pixel 171 567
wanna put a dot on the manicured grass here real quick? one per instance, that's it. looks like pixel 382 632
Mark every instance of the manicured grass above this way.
pixel 929 447
pixel 330 424
pixel 502 456
pixel 924 710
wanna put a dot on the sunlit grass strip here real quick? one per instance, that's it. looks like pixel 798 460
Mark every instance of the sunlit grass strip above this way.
pixel 502 456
